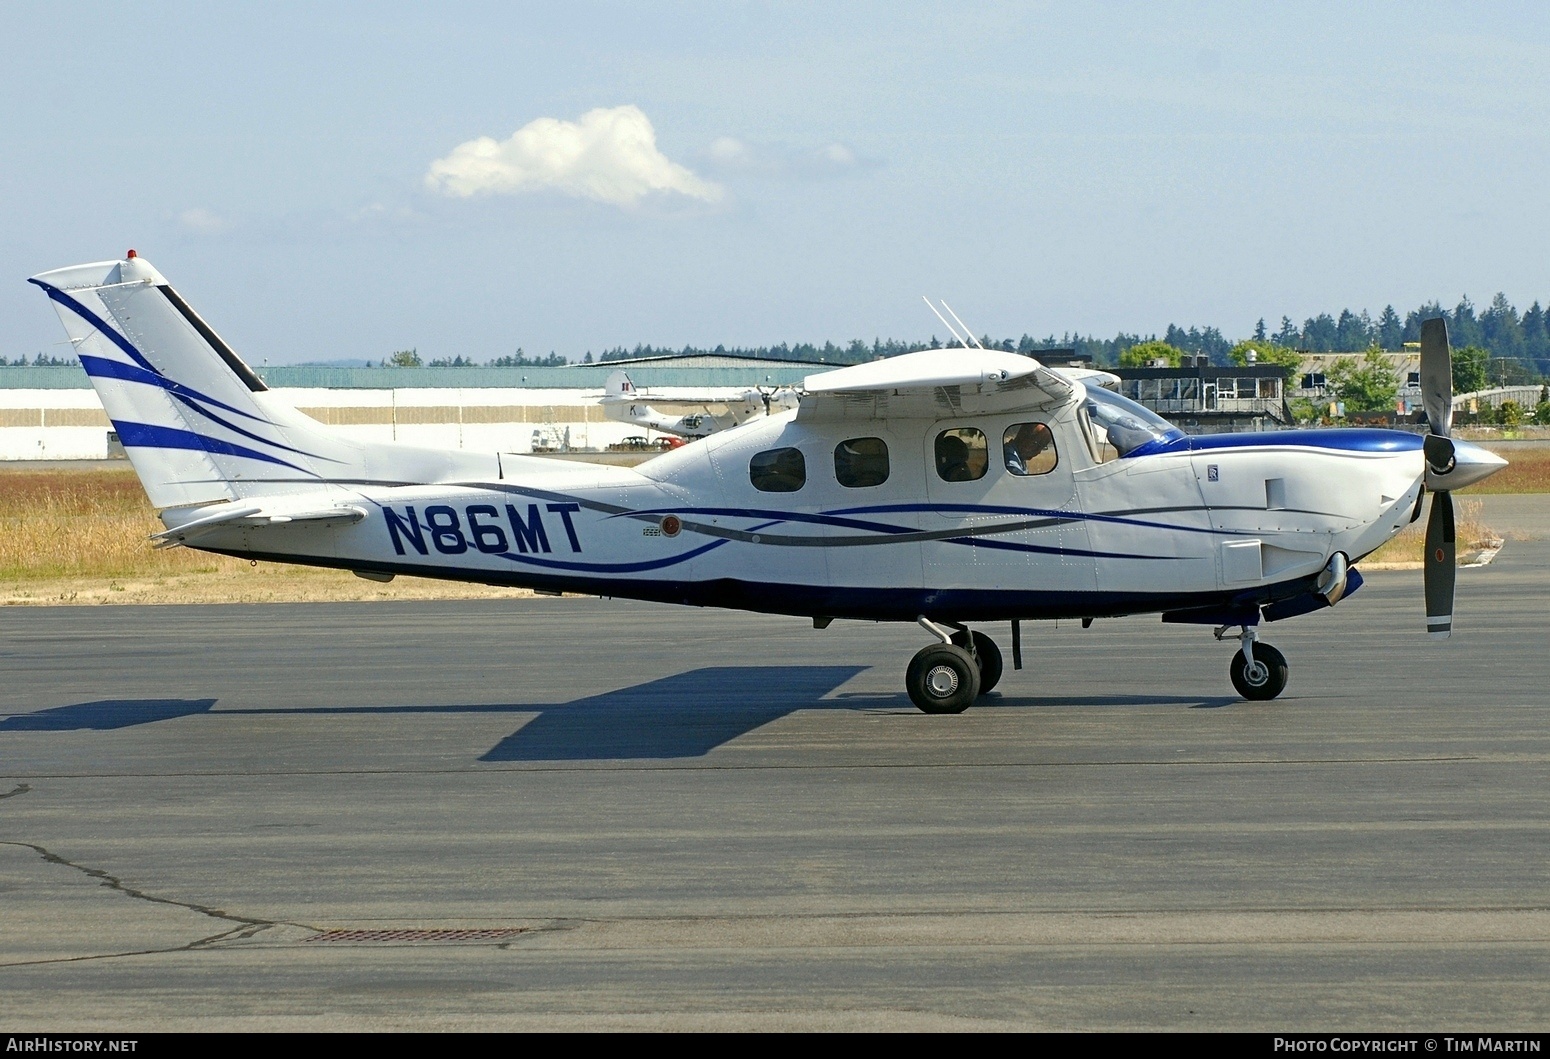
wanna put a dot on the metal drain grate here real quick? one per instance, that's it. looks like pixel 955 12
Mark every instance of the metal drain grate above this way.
pixel 481 934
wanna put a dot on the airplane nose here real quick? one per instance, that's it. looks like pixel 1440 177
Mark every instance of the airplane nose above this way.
pixel 1471 464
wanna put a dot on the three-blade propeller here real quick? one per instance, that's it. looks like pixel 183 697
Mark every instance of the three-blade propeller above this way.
pixel 1437 395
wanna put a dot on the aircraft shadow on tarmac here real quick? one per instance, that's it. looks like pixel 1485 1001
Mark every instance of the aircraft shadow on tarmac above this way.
pixel 104 715
pixel 683 715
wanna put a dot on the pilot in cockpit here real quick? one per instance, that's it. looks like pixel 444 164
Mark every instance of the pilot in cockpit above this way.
pixel 1022 445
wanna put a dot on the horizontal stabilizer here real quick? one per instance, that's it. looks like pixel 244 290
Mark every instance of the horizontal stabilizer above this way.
pixel 252 517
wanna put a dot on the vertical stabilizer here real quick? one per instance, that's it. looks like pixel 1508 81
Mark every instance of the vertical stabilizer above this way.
pixel 194 420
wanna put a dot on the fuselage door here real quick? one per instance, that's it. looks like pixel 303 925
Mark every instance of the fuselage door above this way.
pixel 1005 483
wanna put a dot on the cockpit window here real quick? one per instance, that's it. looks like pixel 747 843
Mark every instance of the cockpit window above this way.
pixel 1118 426
pixel 962 455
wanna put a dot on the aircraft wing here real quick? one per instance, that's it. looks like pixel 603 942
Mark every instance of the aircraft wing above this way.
pixel 1108 380
pixel 934 383
pixel 248 516
pixel 619 390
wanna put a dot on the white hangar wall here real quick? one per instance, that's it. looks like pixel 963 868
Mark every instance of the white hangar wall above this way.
pixel 69 424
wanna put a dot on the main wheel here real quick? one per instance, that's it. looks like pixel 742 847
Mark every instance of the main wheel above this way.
pixel 986 653
pixel 1265 679
pixel 942 678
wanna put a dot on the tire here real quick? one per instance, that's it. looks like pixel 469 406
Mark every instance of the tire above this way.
pixel 987 654
pixel 1269 682
pixel 942 678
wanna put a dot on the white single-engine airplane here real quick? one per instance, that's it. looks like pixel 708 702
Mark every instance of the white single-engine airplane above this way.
pixel 710 410
pixel 940 487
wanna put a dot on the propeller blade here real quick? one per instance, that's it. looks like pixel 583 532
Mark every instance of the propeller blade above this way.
pixel 1437 376
pixel 1441 456
pixel 1439 570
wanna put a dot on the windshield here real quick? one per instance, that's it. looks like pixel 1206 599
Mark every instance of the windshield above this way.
pixel 1124 424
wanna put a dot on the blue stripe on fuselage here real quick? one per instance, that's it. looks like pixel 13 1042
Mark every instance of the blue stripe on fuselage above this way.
pixel 1348 439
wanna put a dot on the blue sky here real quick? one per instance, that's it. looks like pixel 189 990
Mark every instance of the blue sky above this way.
pixel 750 174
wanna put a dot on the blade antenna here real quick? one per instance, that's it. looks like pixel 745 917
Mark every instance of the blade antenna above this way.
pixel 963 325
pixel 945 324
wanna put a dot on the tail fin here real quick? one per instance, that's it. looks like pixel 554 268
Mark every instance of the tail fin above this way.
pixel 196 422
pixel 619 386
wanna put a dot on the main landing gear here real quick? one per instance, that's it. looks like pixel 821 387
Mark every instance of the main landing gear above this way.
pixel 1258 670
pixel 962 665
pixel 948 676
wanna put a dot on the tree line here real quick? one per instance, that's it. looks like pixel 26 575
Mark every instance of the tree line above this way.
pixel 1517 343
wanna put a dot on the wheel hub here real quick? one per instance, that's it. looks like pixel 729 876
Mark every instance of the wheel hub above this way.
pixel 1256 673
pixel 942 680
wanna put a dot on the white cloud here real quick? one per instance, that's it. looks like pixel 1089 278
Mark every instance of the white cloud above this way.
pixel 729 155
pixel 728 151
pixel 203 221
pixel 609 155
pixel 838 155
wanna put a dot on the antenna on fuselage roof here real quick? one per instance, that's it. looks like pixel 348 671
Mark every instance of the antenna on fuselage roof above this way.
pixel 944 321
pixel 966 328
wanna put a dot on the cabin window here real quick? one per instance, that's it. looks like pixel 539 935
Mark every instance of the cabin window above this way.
pixel 1028 448
pixel 962 455
pixel 778 471
pixel 861 462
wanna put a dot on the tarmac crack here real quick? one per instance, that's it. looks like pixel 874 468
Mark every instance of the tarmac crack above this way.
pixel 244 926
pixel 21 788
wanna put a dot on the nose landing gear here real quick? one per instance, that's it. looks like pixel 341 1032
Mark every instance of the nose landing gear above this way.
pixel 1258 671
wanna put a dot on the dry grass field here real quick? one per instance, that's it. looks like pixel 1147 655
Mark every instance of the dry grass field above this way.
pixel 1408 549
pixel 1527 471
pixel 81 536
pixel 70 536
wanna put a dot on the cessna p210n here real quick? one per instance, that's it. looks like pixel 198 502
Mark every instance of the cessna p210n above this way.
pixel 941 487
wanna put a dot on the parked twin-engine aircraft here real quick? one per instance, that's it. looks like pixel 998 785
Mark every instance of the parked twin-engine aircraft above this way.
pixel 708 410
pixel 940 487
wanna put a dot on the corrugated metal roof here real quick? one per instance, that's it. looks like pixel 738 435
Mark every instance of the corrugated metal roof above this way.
pixel 584 376
pixel 713 360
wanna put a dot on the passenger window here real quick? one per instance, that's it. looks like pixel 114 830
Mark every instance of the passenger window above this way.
pixel 962 455
pixel 1028 448
pixel 861 462
pixel 778 471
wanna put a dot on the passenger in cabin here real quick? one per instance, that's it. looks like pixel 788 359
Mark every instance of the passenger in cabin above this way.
pixel 962 455
pixel 952 459
pixel 1028 449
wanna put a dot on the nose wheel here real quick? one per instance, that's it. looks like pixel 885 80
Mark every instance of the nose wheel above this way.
pixel 1258 671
